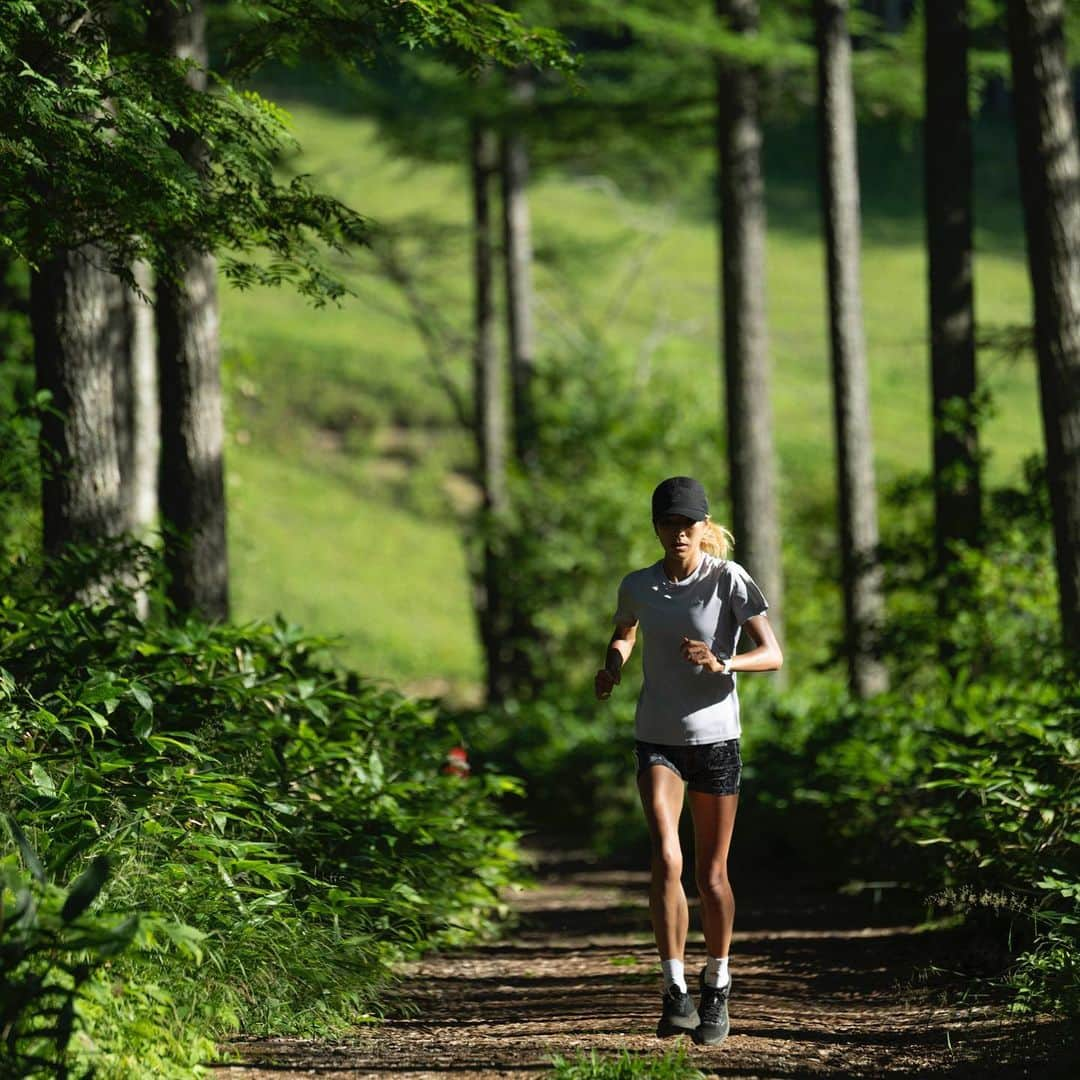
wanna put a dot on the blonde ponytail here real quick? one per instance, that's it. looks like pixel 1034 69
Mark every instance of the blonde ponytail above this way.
pixel 716 540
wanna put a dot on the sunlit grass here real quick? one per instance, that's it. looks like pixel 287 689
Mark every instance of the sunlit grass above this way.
pixel 348 433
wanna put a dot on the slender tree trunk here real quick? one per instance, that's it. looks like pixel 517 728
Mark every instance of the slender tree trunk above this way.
pixel 146 418
pixel 119 347
pixel 521 338
pixel 489 413
pixel 135 414
pixel 73 318
pixel 517 234
pixel 751 456
pixel 191 481
pixel 1050 182
pixel 192 472
pixel 857 491
pixel 957 494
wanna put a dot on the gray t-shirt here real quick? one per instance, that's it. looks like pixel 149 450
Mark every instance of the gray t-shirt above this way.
pixel 680 703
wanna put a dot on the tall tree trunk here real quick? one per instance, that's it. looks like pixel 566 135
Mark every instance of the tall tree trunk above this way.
pixel 751 456
pixel 1050 182
pixel 861 569
pixel 948 169
pixel 489 419
pixel 192 473
pixel 73 317
pixel 517 234
pixel 122 339
pixel 137 418
pixel 521 338
pixel 146 418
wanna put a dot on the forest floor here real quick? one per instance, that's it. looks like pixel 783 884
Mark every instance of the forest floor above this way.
pixel 823 984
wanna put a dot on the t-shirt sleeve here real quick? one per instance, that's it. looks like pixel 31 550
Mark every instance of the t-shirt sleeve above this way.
pixel 747 600
pixel 625 608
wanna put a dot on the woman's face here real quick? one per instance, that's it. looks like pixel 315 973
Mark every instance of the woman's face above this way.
pixel 681 536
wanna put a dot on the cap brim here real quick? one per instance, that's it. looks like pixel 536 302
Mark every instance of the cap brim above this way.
pixel 694 513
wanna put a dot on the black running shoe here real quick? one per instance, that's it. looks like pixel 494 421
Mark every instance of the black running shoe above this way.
pixel 714 1025
pixel 679 1016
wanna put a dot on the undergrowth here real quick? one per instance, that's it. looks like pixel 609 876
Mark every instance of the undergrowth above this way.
pixel 278 832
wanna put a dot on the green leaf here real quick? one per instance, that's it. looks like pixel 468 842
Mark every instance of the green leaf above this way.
pixel 42 781
pixel 86 888
pixel 33 863
pixel 187 939
pixel 142 697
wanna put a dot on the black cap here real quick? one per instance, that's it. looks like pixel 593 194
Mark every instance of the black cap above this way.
pixel 680 495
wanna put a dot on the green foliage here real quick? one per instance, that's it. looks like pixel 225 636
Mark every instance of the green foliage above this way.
pixel 96 118
pixel 962 786
pixel 673 1065
pixel 286 830
pixel 579 523
pixel 58 983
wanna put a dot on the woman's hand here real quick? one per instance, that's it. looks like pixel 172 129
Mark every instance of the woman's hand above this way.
pixel 697 652
pixel 606 681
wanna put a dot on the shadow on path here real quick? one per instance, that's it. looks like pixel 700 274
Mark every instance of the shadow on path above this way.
pixel 823 985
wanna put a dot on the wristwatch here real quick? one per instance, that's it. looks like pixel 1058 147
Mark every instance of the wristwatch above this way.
pixel 725 666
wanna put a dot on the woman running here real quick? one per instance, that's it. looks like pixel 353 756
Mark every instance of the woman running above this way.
pixel 692 605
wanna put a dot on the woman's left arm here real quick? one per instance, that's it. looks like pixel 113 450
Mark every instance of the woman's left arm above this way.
pixel 766 656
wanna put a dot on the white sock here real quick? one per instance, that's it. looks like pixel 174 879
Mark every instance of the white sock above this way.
pixel 716 972
pixel 674 974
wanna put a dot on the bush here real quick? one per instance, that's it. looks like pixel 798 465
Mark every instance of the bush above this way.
pixel 295 824
pixel 961 782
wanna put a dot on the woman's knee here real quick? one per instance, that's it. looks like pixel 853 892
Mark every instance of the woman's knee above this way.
pixel 667 860
pixel 713 884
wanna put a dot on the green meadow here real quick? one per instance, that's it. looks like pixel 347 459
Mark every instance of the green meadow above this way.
pixel 347 474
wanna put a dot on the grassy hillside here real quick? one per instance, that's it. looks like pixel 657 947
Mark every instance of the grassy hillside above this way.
pixel 343 460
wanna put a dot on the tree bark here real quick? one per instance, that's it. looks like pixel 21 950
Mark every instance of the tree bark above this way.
pixel 521 338
pixel 949 188
pixel 517 234
pixel 192 471
pixel 73 307
pixel 191 483
pixel 751 456
pixel 145 415
pixel 489 414
pixel 119 347
pixel 857 491
pixel 1049 160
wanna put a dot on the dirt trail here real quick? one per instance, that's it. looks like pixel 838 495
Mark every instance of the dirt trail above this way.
pixel 823 985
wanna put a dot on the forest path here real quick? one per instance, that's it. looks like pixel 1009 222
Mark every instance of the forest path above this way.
pixel 823 985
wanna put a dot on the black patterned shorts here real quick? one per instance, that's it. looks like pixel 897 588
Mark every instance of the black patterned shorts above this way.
pixel 712 768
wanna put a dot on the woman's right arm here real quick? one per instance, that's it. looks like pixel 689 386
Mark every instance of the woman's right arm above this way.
pixel 619 649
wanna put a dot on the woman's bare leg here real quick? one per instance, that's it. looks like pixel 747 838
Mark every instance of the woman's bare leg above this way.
pixel 714 820
pixel 662 798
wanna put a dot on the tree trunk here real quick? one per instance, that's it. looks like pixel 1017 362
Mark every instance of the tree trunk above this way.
pixel 519 287
pixel 948 171
pixel 73 317
pixel 1049 161
pixel 751 456
pixel 192 472
pixel 135 413
pixel 146 419
pixel 191 482
pixel 489 419
pixel 857 492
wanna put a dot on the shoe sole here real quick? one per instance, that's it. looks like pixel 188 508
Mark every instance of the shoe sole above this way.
pixel 667 1028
